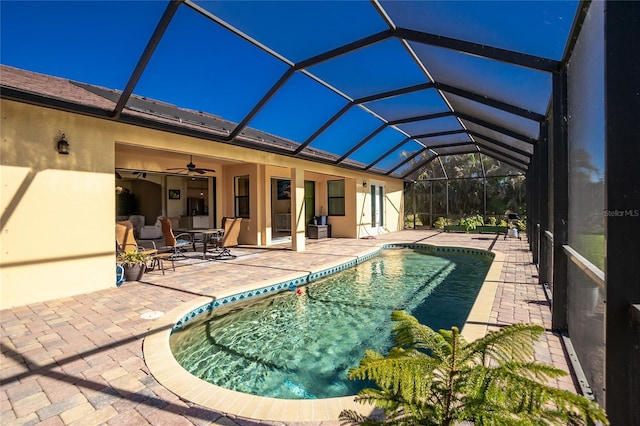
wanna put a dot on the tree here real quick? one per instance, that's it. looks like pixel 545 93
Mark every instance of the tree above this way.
pixel 437 378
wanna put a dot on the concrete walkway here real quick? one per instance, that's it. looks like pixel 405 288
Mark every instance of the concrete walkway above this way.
pixel 78 360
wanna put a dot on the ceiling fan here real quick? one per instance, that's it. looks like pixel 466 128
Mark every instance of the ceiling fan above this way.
pixel 191 168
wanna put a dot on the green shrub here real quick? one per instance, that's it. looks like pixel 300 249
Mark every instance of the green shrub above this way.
pixel 441 223
pixel 470 222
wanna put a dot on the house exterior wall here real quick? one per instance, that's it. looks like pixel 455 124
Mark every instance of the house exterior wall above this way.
pixel 58 210
pixel 58 218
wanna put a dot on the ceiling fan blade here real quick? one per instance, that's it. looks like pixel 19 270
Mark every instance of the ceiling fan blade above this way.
pixel 199 171
pixel 177 168
pixel 206 170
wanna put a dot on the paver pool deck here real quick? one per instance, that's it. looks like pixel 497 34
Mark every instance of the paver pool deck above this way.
pixel 79 360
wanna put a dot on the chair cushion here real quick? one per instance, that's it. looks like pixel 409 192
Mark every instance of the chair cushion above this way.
pixel 150 232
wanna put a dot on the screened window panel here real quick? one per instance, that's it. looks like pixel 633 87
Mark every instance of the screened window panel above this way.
pixel 287 113
pixel 439 198
pixel 495 167
pixel 505 163
pixel 423 202
pixel 298 23
pixel 381 67
pixel 445 139
pixel 432 170
pixel 528 27
pixel 506 193
pixel 500 137
pixel 413 104
pixel 416 166
pixel 461 147
pixel 434 125
pixel 399 155
pixel 526 88
pixel 462 165
pixel 177 73
pixel 455 150
pixel 346 132
pixel 585 317
pixel 402 170
pixel 586 133
pixel 500 149
pixel 377 145
pixel 496 116
pixel 466 197
pixel 496 191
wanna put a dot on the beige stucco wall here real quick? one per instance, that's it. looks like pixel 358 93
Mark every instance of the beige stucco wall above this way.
pixel 57 235
pixel 57 210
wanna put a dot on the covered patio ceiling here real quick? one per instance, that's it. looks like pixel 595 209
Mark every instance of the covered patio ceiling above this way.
pixel 379 86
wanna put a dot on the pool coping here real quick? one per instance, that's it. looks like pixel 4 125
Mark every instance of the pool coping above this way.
pixel 166 370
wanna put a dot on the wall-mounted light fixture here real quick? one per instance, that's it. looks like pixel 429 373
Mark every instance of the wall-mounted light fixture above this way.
pixel 63 146
pixel 364 183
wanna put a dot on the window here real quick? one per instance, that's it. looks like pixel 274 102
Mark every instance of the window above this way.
pixel 335 189
pixel 242 196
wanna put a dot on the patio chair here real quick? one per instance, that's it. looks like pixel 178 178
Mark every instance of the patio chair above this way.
pixel 125 241
pixel 175 244
pixel 231 226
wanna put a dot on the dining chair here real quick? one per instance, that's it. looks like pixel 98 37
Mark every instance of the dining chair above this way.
pixel 231 227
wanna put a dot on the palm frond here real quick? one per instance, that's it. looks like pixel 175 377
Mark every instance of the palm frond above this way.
pixel 514 342
pixel 438 378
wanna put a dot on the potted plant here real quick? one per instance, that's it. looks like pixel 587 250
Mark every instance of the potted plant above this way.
pixel 134 264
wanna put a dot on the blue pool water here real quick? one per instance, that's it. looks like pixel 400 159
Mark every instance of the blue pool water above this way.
pixel 301 346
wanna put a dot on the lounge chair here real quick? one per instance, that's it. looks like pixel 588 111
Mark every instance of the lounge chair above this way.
pixel 231 226
pixel 175 244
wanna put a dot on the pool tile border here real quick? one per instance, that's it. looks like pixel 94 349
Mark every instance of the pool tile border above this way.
pixel 164 367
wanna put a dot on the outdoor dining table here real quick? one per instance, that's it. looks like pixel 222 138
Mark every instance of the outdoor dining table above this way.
pixel 207 234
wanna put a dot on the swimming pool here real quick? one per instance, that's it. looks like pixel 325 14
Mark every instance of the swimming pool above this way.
pixel 294 346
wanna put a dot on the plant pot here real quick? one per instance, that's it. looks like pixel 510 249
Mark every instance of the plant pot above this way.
pixel 491 229
pixel 134 271
pixel 455 228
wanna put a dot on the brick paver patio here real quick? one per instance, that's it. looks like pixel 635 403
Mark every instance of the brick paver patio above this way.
pixel 78 360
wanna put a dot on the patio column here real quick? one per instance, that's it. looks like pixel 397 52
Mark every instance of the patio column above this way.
pixel 560 200
pixel 297 209
pixel 543 195
pixel 533 232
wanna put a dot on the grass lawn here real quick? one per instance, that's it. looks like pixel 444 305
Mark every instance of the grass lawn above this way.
pixel 590 246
